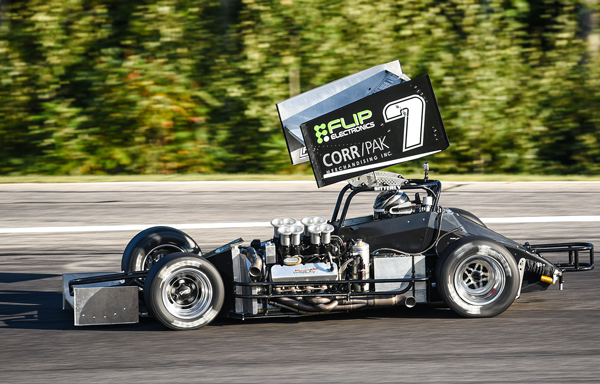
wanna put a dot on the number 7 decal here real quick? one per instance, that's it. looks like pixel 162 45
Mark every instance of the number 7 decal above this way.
pixel 412 109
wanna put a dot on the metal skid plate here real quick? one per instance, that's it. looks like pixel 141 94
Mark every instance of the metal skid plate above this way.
pixel 68 300
pixel 101 303
pixel 106 305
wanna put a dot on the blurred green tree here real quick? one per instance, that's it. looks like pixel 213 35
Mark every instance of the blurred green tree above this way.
pixel 161 86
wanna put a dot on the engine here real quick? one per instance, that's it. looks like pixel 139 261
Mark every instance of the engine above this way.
pixel 303 251
pixel 308 269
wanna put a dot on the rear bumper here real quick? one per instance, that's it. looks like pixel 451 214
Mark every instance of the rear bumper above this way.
pixel 580 255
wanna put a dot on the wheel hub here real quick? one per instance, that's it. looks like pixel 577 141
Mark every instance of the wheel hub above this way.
pixel 158 253
pixel 187 293
pixel 479 279
pixel 183 293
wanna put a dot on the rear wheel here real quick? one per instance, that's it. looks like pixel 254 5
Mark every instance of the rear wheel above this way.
pixel 477 278
pixel 152 244
pixel 184 291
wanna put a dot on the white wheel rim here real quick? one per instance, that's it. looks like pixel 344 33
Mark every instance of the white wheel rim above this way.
pixel 187 293
pixel 480 279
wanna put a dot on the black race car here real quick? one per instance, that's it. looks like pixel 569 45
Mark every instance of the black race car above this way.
pixel 409 251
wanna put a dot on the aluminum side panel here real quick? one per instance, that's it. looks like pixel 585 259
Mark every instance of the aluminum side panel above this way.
pixel 68 300
pixel 106 305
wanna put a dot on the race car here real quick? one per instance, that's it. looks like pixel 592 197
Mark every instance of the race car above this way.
pixel 408 251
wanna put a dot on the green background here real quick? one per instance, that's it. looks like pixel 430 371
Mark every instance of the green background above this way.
pixel 111 87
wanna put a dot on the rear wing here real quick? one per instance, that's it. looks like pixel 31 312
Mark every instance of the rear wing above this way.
pixel 361 123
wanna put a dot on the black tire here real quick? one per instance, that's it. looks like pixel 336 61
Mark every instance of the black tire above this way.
pixel 468 215
pixel 150 245
pixel 184 291
pixel 477 277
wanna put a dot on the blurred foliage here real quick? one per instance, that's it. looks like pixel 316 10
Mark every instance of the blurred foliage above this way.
pixel 174 86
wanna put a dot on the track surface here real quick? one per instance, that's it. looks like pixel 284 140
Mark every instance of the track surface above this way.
pixel 549 337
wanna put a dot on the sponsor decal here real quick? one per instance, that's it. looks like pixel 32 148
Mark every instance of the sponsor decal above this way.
pixel 412 110
pixel 325 132
pixel 356 155
pixel 397 124
pixel 305 271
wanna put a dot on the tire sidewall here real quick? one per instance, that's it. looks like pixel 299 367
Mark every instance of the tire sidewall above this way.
pixel 445 273
pixel 156 281
pixel 147 240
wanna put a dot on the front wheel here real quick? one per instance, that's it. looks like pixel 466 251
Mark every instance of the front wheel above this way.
pixel 184 291
pixel 477 278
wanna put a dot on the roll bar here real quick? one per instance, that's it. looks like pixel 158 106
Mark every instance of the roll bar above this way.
pixel 432 187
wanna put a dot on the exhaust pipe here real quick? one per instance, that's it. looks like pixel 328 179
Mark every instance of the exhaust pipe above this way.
pixel 319 300
pixel 256 263
pixel 407 301
pixel 305 313
pixel 303 307
pixel 378 301
pixel 322 305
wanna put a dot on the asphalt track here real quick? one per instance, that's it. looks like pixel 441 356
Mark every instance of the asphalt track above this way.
pixel 545 337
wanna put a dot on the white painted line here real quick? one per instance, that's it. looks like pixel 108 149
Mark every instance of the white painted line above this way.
pixel 116 228
pixel 265 224
pixel 199 182
pixel 541 219
pixel 519 182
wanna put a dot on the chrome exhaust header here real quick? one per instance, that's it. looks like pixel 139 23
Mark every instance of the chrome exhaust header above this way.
pixel 256 264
